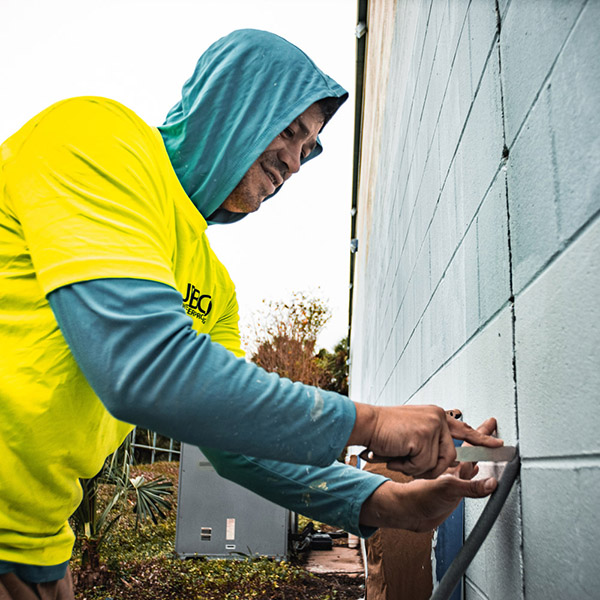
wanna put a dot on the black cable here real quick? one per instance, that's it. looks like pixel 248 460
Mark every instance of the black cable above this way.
pixel 480 531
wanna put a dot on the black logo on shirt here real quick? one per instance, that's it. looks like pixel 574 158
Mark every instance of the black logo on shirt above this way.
pixel 196 304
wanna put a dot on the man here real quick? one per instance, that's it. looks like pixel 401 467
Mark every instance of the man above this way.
pixel 115 312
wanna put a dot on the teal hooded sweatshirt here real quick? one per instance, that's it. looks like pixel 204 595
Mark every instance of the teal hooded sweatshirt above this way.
pixel 246 88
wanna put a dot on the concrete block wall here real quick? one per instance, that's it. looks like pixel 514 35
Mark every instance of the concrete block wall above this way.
pixel 478 273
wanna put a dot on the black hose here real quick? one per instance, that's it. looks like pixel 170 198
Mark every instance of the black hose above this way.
pixel 480 531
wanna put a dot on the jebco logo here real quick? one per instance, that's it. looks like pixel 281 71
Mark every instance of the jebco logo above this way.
pixel 196 304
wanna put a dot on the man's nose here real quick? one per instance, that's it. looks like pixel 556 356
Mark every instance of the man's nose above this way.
pixel 291 156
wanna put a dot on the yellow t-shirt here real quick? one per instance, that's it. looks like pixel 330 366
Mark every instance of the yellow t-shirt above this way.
pixel 87 191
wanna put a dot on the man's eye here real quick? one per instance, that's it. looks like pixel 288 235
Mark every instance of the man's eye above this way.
pixel 306 153
pixel 288 132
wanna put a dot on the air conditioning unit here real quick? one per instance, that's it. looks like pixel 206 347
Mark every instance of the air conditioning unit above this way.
pixel 217 518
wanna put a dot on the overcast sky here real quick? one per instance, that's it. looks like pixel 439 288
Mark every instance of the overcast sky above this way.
pixel 140 52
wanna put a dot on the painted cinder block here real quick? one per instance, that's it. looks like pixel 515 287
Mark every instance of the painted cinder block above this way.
pixel 454 303
pixel 497 567
pixel 574 96
pixel 461 75
pixel 482 31
pixel 426 65
pixel 473 593
pixel 407 178
pixel 422 283
pixel 434 343
pixel 471 282
pixel 451 20
pixel 431 108
pixel 456 105
pixel 427 200
pixel 492 251
pixel 442 338
pixel 479 155
pixel 479 380
pixel 454 21
pixel 414 363
pixel 400 187
pixel 561 529
pixel 443 232
pixel 531 38
pixel 383 374
pixel 419 162
pixel 558 355
pixel 439 80
pixel 532 198
pixel 453 311
pixel 485 370
pixel 502 6
pixel 428 364
pixel 402 280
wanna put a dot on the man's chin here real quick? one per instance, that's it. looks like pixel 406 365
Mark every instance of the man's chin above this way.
pixel 250 208
pixel 245 206
pixel 254 205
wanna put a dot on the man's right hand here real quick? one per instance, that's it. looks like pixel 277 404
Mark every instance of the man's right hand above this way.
pixel 420 436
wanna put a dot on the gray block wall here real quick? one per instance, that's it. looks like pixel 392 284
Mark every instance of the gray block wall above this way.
pixel 477 280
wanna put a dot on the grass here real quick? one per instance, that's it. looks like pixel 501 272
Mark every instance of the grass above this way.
pixel 142 565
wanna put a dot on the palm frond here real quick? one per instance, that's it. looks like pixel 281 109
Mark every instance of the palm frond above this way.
pixel 150 498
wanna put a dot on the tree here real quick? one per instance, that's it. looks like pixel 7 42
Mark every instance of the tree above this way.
pixel 285 336
pixel 335 367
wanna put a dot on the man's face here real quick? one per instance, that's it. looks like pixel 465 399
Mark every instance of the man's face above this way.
pixel 277 163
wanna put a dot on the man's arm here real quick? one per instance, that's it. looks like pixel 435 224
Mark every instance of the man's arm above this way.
pixel 356 500
pixel 134 344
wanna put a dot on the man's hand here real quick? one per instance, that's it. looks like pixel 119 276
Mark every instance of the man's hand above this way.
pixel 422 505
pixel 420 436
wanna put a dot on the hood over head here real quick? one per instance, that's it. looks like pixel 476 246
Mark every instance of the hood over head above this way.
pixel 246 89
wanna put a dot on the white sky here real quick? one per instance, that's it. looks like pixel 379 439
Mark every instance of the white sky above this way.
pixel 140 52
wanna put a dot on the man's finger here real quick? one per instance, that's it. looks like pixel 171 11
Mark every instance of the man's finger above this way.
pixel 424 460
pixel 467 470
pixel 478 488
pixel 455 413
pixel 488 426
pixel 462 431
pixel 404 465
pixel 445 457
pixel 414 465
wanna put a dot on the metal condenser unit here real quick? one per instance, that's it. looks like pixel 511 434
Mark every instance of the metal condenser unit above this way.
pixel 220 519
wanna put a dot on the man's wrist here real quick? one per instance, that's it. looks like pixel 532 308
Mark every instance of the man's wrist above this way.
pixel 385 507
pixel 364 425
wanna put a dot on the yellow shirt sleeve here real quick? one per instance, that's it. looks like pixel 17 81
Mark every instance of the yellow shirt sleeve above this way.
pixel 85 184
pixel 226 331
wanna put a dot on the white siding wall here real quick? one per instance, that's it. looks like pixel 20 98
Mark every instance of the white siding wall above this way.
pixel 477 279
